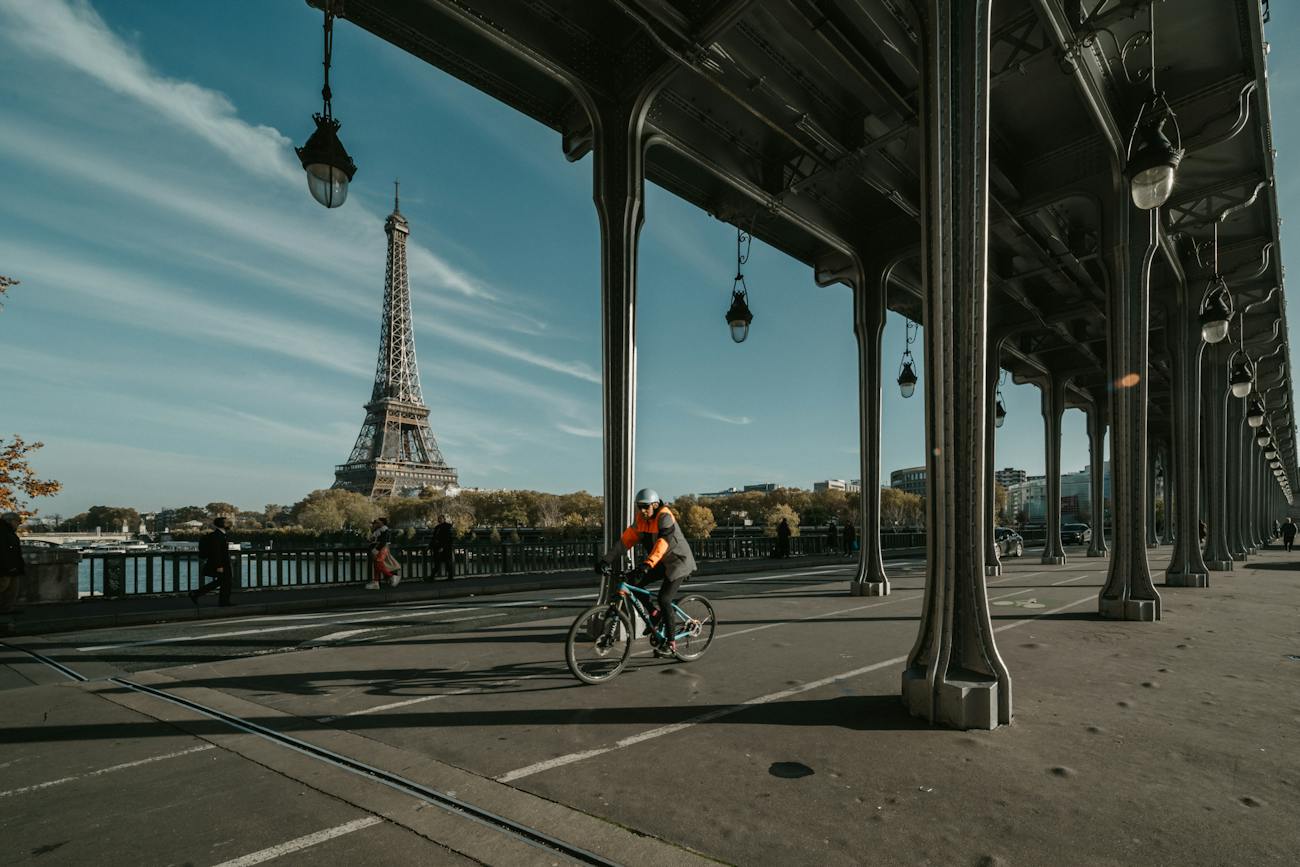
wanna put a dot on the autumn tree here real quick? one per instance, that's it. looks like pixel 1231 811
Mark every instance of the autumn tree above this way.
pixel 18 481
pixel 217 509
pixel 697 521
pixel 335 509
pixel 112 518
pixel 5 283
pixel 774 518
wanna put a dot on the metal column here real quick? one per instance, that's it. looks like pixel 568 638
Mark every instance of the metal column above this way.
pixel 1052 397
pixel 954 675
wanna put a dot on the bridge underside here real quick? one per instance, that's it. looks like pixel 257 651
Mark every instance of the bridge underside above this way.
pixel 960 163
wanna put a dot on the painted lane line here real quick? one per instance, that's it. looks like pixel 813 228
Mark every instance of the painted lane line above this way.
pixel 560 761
pixel 301 843
pixel 108 770
pixel 427 698
pixel 181 639
pixel 840 611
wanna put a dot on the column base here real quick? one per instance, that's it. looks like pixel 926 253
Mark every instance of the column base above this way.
pixel 1252 551
pixel 1142 610
pixel 956 703
pixel 1053 561
pixel 1153 544
pixel 868 588
pixel 1189 579
pixel 1219 565
pixel 992 571
pixel 1096 554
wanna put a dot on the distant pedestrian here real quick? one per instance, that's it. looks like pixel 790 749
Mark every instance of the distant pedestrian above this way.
pixel 444 547
pixel 1288 533
pixel 214 550
pixel 12 568
pixel 1205 532
pixel 832 536
pixel 381 561
pixel 783 538
pixel 850 536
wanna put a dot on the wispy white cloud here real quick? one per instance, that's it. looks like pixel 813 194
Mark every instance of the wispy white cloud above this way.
pixel 577 369
pixel 717 416
pixel 73 33
pixel 591 433
pixel 137 299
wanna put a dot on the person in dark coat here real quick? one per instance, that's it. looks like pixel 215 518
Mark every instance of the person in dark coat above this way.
pixel 214 550
pixel 12 567
pixel 1288 533
pixel 444 546
pixel 832 537
pixel 850 534
pixel 783 538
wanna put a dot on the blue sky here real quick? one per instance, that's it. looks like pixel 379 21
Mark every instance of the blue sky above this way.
pixel 192 326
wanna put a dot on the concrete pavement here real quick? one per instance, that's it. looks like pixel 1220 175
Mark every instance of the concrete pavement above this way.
pixel 1172 742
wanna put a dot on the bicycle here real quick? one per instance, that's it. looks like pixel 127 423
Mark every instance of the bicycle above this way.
pixel 600 639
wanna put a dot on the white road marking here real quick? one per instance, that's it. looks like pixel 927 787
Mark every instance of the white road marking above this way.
pixel 301 843
pixel 107 770
pixel 425 698
pixel 560 761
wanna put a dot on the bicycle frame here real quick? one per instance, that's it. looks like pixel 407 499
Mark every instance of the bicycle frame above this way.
pixel 624 597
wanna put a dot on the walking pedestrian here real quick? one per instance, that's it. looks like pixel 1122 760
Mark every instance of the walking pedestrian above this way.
pixel 850 536
pixel 1288 533
pixel 783 538
pixel 380 560
pixel 444 542
pixel 214 550
pixel 12 567
pixel 832 536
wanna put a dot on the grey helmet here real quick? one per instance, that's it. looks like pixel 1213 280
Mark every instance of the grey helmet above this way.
pixel 647 495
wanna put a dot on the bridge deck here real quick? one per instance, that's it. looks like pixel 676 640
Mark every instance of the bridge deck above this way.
pixel 1167 742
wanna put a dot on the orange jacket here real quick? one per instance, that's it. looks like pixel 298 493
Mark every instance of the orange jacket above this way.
pixel 658 535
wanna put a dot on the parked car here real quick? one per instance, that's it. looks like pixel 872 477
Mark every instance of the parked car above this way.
pixel 1009 542
pixel 1075 534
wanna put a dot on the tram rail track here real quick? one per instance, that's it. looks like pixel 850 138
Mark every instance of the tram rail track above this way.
pixel 443 800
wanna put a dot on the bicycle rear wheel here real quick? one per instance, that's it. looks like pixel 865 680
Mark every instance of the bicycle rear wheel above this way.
pixel 599 644
pixel 695 632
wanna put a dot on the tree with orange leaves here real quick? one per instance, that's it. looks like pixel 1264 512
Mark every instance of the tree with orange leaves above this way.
pixel 18 479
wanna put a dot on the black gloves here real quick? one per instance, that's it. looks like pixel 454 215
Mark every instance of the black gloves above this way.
pixel 639 572
pixel 600 567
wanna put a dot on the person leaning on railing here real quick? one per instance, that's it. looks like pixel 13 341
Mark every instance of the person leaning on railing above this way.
pixel 12 567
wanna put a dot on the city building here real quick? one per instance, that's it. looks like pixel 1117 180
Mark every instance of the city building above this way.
pixel 909 479
pixel 852 487
pixel 1008 476
pixel 1028 498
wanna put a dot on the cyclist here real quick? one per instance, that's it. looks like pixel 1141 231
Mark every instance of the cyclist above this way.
pixel 666 557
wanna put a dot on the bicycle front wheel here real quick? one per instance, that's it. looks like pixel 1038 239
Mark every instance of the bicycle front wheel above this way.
pixel 599 643
pixel 695 632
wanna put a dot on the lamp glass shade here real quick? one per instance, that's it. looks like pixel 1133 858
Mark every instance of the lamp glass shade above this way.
pixel 1263 438
pixel 1241 381
pixel 1214 330
pixel 907 380
pixel 1270 453
pixel 999 414
pixel 739 317
pixel 327 185
pixel 1255 415
pixel 1152 187
pixel 328 166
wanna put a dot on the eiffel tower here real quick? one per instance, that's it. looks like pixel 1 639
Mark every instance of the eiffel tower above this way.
pixel 395 453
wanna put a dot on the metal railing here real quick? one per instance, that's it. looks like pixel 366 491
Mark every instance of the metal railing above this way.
pixel 158 572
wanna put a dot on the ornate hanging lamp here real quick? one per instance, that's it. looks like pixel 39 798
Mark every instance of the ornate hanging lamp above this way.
pixel 907 367
pixel 328 166
pixel 739 317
